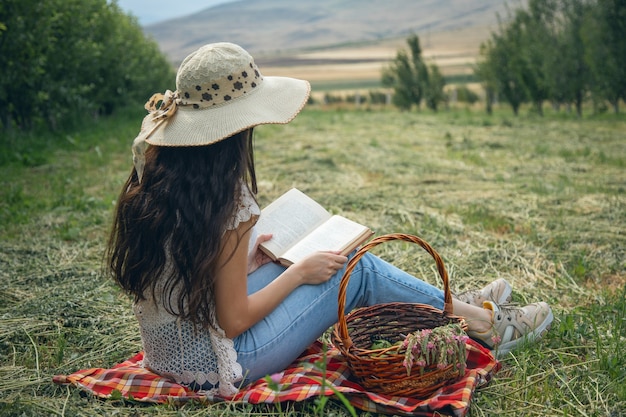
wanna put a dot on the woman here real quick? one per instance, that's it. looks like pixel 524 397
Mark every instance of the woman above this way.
pixel 214 312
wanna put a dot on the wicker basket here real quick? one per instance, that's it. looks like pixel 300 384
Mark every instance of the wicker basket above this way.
pixel 382 370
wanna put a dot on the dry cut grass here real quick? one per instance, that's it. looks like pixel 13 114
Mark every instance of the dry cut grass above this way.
pixel 540 202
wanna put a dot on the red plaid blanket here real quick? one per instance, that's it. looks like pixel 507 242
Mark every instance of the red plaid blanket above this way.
pixel 302 380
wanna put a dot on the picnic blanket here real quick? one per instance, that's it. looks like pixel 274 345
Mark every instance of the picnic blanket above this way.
pixel 300 381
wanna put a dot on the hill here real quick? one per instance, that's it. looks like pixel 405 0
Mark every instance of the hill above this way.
pixel 306 34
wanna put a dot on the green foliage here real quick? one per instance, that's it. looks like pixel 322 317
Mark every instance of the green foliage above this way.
pixel 412 80
pixel 63 60
pixel 377 97
pixel 502 62
pixel 604 40
pixel 534 36
pixel 565 51
pixel 331 98
pixel 434 93
pixel 577 72
pixel 401 76
pixel 465 95
pixel 486 72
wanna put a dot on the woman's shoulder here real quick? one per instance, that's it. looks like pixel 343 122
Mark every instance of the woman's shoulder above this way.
pixel 246 208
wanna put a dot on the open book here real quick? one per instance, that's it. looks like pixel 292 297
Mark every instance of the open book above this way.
pixel 300 226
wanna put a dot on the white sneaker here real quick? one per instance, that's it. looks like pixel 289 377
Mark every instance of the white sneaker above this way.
pixel 513 325
pixel 499 291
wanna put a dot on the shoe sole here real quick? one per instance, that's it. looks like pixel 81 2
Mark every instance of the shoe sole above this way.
pixel 536 334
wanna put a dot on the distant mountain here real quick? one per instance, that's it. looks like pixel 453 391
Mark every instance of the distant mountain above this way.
pixel 273 26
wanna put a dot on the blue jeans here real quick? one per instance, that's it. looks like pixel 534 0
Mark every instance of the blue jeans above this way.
pixel 277 340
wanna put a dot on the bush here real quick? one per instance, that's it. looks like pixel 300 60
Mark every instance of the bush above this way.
pixel 378 97
pixel 65 59
pixel 465 95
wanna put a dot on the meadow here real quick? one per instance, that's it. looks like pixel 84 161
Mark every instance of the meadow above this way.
pixel 539 201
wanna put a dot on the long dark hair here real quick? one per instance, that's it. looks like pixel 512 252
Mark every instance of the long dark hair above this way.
pixel 168 229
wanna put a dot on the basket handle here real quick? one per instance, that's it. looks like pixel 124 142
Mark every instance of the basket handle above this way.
pixel 343 286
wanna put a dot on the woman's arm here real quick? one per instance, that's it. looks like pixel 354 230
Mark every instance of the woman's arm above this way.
pixel 236 310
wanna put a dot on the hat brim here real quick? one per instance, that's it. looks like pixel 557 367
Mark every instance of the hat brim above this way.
pixel 277 100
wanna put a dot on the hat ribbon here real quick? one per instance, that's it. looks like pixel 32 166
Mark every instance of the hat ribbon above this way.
pixel 161 107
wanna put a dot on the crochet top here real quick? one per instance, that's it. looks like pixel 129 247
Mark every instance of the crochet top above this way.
pixel 199 357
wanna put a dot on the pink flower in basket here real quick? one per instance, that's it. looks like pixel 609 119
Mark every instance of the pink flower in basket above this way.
pixel 438 347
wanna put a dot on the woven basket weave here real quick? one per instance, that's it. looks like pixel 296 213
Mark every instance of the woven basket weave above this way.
pixel 382 370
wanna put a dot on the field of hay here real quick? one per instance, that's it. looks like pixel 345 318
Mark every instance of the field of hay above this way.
pixel 539 201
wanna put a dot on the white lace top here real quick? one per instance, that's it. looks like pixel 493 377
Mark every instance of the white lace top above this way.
pixel 171 346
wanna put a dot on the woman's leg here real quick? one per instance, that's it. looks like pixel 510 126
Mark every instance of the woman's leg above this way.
pixel 277 340
pixel 478 319
pixel 272 344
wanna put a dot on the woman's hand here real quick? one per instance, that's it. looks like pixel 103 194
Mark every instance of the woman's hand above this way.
pixel 257 257
pixel 319 267
pixel 237 310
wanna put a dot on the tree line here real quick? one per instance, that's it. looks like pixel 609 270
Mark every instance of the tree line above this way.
pixel 564 52
pixel 63 60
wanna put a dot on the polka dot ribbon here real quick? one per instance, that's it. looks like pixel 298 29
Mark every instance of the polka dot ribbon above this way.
pixel 160 107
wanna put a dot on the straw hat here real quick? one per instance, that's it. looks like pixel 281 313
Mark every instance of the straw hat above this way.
pixel 219 92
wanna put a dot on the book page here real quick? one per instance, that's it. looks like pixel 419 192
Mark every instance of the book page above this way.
pixel 337 233
pixel 289 218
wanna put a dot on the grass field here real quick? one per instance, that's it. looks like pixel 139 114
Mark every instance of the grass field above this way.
pixel 539 201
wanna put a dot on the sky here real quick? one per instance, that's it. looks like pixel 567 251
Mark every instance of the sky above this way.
pixel 153 11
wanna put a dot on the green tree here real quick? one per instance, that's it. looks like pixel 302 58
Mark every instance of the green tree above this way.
pixel 420 70
pixel 434 93
pixel 554 62
pixel 524 60
pixel 410 77
pixel 484 71
pixel 604 39
pixel 569 71
pixel 558 50
pixel 58 68
pixel 536 43
pixel 25 25
pixel 402 78
pixel 503 64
